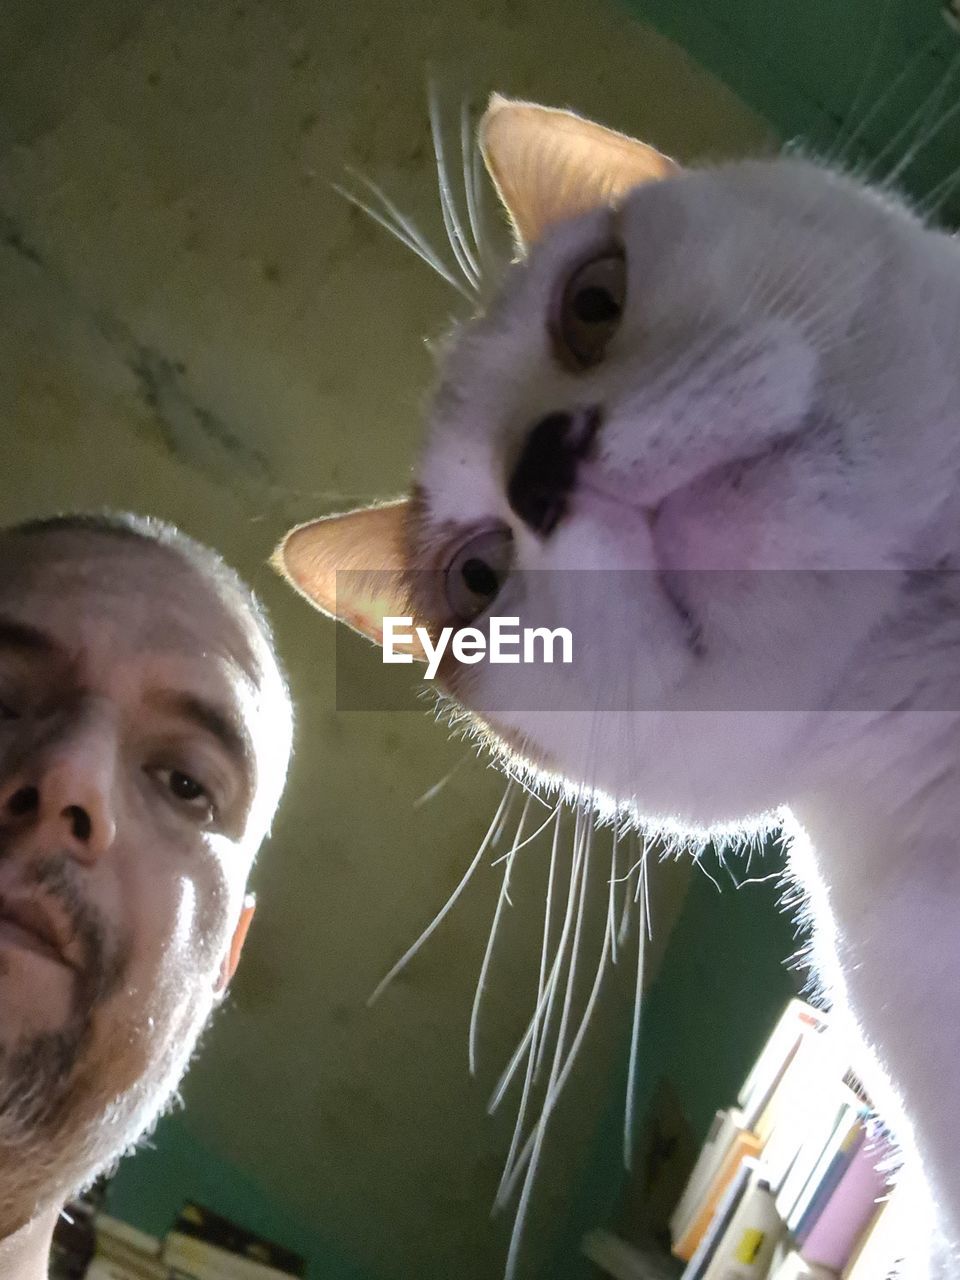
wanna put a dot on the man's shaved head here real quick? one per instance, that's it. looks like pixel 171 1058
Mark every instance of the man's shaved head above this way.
pixel 145 730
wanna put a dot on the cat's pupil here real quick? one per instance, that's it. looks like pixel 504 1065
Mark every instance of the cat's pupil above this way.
pixel 595 305
pixel 479 577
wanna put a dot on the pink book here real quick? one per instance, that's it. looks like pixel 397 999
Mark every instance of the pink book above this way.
pixel 846 1215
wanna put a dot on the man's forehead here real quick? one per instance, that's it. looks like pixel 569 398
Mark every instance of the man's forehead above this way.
pixel 107 590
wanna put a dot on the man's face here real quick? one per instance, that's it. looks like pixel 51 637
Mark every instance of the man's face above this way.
pixel 144 734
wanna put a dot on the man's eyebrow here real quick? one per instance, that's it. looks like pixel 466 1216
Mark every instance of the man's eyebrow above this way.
pixel 215 720
pixel 27 639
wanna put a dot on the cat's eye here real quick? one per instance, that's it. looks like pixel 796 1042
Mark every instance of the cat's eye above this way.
pixel 477 571
pixel 588 310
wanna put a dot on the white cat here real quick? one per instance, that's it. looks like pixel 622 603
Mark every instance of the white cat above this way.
pixel 749 368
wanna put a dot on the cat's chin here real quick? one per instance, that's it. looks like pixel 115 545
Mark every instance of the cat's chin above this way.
pixel 677 771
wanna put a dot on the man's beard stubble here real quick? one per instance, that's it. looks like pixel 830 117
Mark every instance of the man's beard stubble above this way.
pixel 38 1072
pixel 74 1100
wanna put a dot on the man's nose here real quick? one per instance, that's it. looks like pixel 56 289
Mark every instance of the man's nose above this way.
pixel 63 796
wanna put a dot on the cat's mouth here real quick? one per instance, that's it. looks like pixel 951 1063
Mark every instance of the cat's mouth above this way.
pixel 670 582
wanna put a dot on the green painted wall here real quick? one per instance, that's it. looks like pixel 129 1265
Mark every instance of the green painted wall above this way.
pixel 823 70
pixel 149 1191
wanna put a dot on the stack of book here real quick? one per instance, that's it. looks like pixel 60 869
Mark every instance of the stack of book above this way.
pixel 121 1252
pixel 73 1237
pixel 205 1246
pixel 201 1246
pixel 786 1186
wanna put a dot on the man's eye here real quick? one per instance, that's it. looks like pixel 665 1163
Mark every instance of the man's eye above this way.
pixel 191 793
pixel 7 712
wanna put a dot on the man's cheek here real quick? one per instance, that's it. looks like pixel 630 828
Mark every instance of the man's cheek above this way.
pixel 202 911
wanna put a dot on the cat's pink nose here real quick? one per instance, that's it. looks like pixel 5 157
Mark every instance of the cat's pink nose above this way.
pixel 545 473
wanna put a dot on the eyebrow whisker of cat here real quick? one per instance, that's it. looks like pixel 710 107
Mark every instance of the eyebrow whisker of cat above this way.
pixel 502 900
pixel 402 229
pixel 838 156
pixel 448 905
pixel 866 81
pixel 920 145
pixel 938 195
pixel 448 205
pixel 916 122
pixel 470 155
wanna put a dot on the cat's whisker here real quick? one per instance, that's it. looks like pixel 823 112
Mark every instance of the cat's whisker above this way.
pixel 448 906
pixel 772 875
pixel 401 221
pixel 541 1127
pixel 488 952
pixel 892 87
pixel 530 838
pixel 568 1061
pixel 533 1031
pixel 698 862
pixel 424 253
pixel 533 1035
pixel 721 858
pixel 630 1105
pixel 612 899
pixel 489 267
pixel 467 153
pixel 546 984
pixel 448 208
pixel 920 145
pixel 856 106
pixel 624 931
pixel 581 828
pixel 938 195
pixel 917 120
pixel 432 792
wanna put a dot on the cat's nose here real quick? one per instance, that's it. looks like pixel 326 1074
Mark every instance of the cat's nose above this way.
pixel 546 471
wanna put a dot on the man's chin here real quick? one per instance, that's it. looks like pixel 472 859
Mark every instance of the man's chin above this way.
pixel 36 993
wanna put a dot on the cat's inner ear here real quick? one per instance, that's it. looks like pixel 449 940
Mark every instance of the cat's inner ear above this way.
pixel 549 165
pixel 351 566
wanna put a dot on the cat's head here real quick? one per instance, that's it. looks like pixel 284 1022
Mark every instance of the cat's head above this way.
pixel 693 402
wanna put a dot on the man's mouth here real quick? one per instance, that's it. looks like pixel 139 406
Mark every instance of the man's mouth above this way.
pixel 30 925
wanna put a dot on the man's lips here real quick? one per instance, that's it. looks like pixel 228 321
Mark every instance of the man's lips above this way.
pixel 33 926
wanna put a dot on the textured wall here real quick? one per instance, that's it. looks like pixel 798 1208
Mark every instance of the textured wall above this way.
pixel 193 323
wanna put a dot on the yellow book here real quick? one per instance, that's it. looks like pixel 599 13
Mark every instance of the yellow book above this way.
pixel 745 1145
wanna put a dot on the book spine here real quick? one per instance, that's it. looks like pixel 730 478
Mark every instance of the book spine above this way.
pixel 746 1246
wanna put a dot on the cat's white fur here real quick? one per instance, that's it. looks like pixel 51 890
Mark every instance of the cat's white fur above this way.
pixel 784 394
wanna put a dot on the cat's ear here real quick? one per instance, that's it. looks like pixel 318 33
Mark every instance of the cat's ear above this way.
pixel 549 165
pixel 351 566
